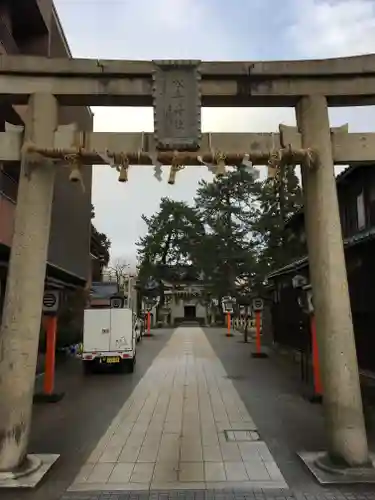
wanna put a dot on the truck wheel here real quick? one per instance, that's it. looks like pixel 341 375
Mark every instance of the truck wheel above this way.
pixel 132 365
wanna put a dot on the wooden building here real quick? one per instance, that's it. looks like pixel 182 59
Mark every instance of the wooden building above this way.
pixel 356 194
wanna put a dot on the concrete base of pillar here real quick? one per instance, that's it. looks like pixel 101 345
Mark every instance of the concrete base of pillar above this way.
pixel 41 397
pixel 230 335
pixel 259 355
pixel 30 475
pixel 327 474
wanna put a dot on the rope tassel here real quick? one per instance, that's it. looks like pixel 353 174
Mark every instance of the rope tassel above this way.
pixel 75 163
pixel 220 164
pixel 176 166
pixel 124 168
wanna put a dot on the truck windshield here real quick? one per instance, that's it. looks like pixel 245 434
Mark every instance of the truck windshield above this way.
pixel 103 290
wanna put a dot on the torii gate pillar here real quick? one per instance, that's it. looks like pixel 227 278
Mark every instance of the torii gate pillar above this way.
pixel 20 329
pixel 342 396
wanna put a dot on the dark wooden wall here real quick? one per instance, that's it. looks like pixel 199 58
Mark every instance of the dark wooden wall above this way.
pixel 291 325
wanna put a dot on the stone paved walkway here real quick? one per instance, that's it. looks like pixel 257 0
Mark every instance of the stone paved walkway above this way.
pixel 183 428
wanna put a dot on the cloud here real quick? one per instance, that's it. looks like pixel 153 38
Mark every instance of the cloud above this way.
pixel 175 15
pixel 207 30
pixel 333 28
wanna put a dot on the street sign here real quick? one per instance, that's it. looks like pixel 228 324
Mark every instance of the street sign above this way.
pixel 257 304
pixel 51 299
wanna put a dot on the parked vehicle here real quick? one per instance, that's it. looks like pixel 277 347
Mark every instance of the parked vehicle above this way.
pixel 139 328
pixel 109 338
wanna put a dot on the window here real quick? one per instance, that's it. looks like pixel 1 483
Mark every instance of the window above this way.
pixel 361 215
pixel 103 290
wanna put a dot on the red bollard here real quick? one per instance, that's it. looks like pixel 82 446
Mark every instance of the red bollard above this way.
pixel 148 323
pixel 48 395
pixel 258 346
pixel 257 332
pixel 229 333
pixel 49 374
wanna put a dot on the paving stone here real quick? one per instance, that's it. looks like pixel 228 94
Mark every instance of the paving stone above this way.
pixel 191 472
pixel 235 471
pixel 100 473
pixel 171 430
pixel 121 473
pixel 214 471
pixel 220 494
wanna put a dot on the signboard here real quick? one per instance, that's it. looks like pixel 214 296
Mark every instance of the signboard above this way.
pixel 227 303
pixel 308 299
pixel 257 304
pixel 51 299
pixel 177 105
pixel 117 302
pixel 150 302
pixel 310 302
pixel 228 307
pixel 299 281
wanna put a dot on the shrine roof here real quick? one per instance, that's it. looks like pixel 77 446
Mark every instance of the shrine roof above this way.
pixel 339 178
pixel 302 262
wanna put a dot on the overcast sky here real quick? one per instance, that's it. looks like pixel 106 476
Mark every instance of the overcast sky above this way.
pixel 207 30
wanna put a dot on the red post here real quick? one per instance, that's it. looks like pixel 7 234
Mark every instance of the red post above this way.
pixel 315 358
pixel 228 324
pixel 49 374
pixel 257 332
pixel 148 323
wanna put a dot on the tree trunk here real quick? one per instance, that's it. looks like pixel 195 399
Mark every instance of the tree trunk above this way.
pixel 161 285
pixel 231 273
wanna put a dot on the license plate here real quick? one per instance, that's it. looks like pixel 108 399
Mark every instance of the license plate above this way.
pixel 114 359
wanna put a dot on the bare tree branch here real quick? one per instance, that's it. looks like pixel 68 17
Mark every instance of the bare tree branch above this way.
pixel 119 268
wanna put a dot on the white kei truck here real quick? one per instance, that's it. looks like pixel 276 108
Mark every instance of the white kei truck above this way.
pixel 109 337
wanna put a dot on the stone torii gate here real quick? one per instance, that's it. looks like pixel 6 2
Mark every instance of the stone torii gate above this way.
pixel 176 90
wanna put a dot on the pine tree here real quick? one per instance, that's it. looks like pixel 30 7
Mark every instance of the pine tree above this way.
pixel 104 241
pixel 226 207
pixel 172 233
pixel 278 201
